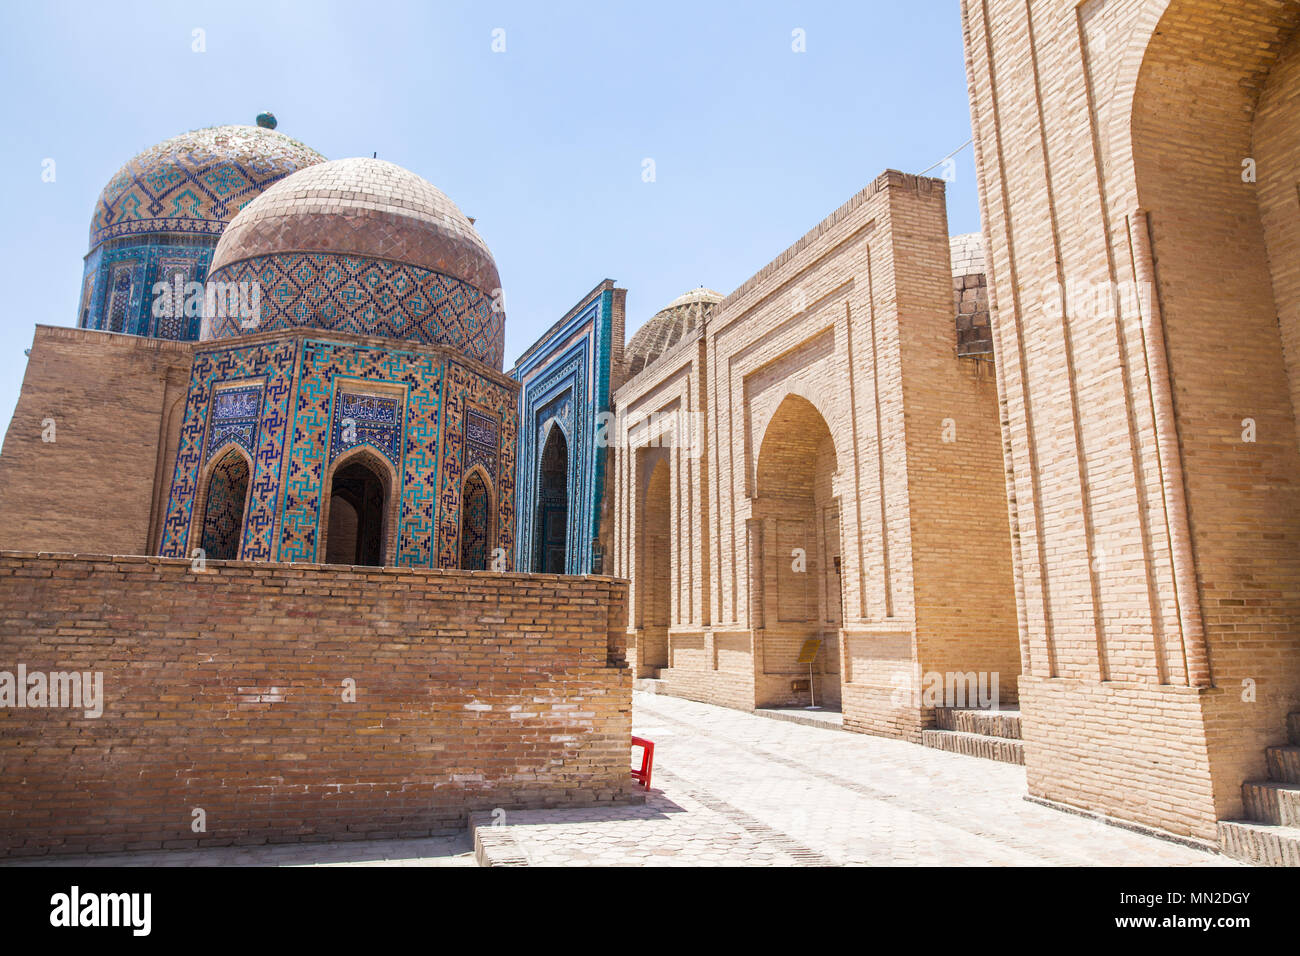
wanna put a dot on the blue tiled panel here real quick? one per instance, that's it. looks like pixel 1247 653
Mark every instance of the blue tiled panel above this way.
pixel 128 271
pixel 570 388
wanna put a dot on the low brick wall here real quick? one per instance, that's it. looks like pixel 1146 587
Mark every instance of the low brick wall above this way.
pixel 224 692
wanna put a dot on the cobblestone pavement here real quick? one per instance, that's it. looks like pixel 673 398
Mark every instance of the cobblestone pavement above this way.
pixel 732 788
pixel 736 788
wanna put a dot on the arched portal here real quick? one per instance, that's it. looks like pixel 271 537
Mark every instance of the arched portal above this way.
pixel 655 549
pixel 553 505
pixel 1215 147
pixel 358 505
pixel 799 592
pixel 475 523
pixel 223 507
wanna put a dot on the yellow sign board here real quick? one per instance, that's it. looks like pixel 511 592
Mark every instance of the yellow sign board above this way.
pixel 810 648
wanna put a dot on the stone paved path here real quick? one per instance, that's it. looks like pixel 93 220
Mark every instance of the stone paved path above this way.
pixel 735 788
pixel 430 851
pixel 738 789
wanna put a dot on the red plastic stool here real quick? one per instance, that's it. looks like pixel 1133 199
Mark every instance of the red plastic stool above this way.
pixel 647 760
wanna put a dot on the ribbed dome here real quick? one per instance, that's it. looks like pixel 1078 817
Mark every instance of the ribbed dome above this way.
pixel 669 326
pixel 195 183
pixel 362 207
pixel 365 247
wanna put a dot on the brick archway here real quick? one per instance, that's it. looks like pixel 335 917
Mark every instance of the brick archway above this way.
pixel 800 590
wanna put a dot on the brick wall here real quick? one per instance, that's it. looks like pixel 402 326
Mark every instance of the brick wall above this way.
pixel 224 691
pixel 822 386
pixel 116 402
pixel 970 298
pixel 1155 550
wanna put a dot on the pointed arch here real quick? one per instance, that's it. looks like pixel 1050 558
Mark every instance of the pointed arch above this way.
pixel 477 520
pixel 798 591
pixel 225 489
pixel 359 510
pixel 550 556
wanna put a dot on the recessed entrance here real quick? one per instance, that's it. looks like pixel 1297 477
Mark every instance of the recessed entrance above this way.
pixel 356 516
pixel 223 507
pixel 802 583
pixel 474 523
pixel 553 505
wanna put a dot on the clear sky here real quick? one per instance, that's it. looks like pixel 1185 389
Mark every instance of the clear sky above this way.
pixel 544 144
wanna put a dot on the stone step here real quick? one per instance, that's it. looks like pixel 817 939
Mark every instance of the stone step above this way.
pixel 989 723
pixel 1293 728
pixel 1268 801
pixel 1002 749
pixel 1264 844
pixel 651 685
pixel 1283 764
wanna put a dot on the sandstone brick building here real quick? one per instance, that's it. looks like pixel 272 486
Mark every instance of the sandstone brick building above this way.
pixel 1138 164
pixel 812 458
pixel 1063 452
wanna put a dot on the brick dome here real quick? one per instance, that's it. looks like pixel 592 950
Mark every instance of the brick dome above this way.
pixel 364 246
pixel 195 183
pixel 669 326
pixel 362 207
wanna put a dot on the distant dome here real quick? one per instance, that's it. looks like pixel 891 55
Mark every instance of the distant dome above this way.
pixel 195 183
pixel 365 246
pixel 669 326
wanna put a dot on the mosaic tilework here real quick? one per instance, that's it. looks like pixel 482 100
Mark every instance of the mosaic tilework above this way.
pixel 322 363
pixel 474 525
pixel 223 512
pixel 366 420
pixel 273 362
pixel 195 182
pixel 234 417
pixel 150 260
pixel 368 296
pixel 465 388
pixel 482 442
pixel 122 281
pixel 569 384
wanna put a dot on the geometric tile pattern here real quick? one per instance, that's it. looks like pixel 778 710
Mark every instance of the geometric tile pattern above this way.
pixel 482 442
pixel 568 385
pixel 415 460
pixel 465 389
pixel 367 420
pixel 223 512
pixel 474 525
pixel 234 417
pixel 123 301
pixel 195 182
pixel 417 422
pixel 273 362
pixel 367 296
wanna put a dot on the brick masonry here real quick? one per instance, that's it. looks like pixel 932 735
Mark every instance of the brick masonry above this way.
pixel 117 403
pixel 1156 546
pixel 828 411
pixel 224 691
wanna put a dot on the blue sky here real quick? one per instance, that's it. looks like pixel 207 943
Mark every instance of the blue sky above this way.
pixel 543 144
